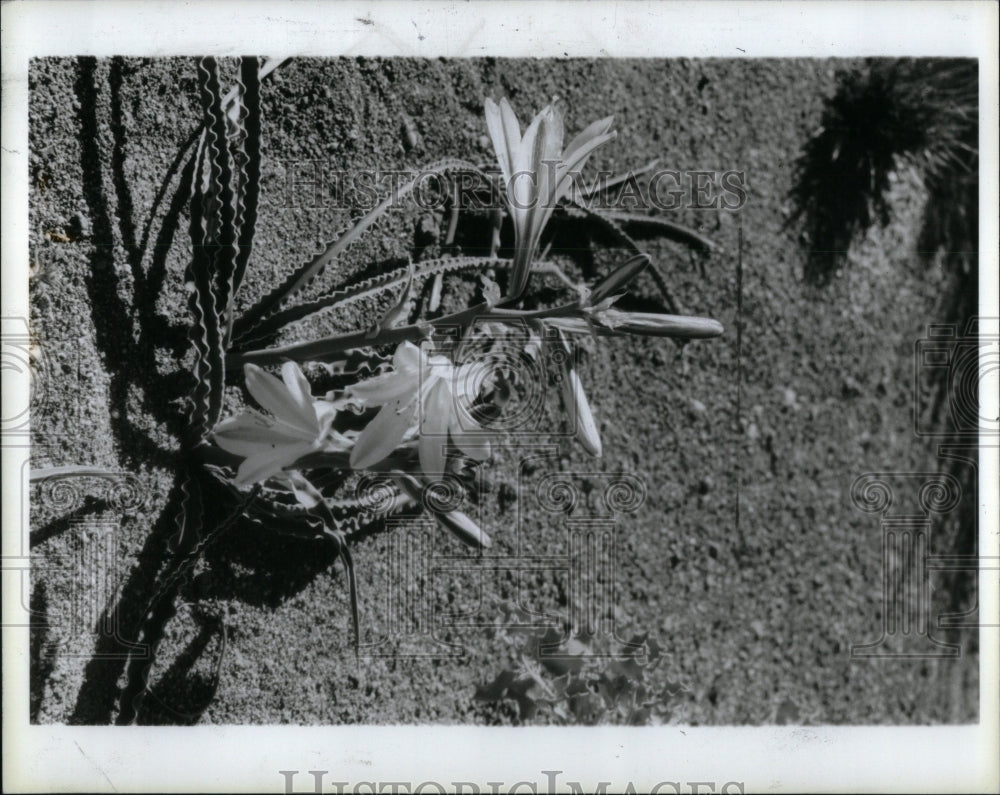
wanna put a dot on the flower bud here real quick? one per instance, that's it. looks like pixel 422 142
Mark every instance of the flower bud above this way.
pixel 455 522
pixel 657 325
pixel 586 428
pixel 575 400
pixel 464 529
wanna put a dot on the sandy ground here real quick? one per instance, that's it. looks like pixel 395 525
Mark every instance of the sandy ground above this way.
pixel 747 559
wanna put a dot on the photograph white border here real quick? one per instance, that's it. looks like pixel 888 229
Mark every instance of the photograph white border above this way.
pixel 237 759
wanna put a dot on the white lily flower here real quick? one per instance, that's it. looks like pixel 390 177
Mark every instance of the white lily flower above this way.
pixel 300 425
pixel 425 395
pixel 538 172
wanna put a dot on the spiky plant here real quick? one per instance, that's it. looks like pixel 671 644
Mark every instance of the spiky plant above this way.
pixel 375 443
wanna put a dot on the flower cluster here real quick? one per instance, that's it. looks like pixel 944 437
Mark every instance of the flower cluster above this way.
pixel 538 172
pixel 427 402
pixel 426 397
pixel 299 425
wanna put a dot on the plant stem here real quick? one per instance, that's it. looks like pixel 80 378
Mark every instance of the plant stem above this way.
pixel 333 346
pixel 73 471
pixel 328 348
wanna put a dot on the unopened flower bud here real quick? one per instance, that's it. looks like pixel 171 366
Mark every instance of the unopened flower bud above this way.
pixel 586 428
pixel 657 325
pixel 464 529
pixel 575 400
pixel 455 522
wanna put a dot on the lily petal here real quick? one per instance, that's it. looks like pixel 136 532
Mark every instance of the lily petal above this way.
pixel 325 412
pixel 434 420
pixel 463 528
pixel 383 435
pixel 586 428
pixel 406 357
pixel 545 161
pixel 455 522
pixel 298 388
pixel 575 160
pixel 495 126
pixel 657 325
pixel 248 434
pixel 275 396
pixel 385 388
pixel 599 127
pixel 261 466
pixel 575 400
pixel 526 149
pixel 511 131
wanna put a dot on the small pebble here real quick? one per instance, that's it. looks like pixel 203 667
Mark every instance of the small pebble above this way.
pixel 851 387
pixel 80 225
pixel 411 136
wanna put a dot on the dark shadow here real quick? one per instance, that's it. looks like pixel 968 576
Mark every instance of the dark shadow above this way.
pixel 182 156
pixel 154 330
pixel 123 193
pixel 98 694
pixel 59 525
pixel 473 234
pixel 181 697
pixel 126 363
pixel 280 566
pixel 575 239
pixel 41 649
pixel 888 112
pixel 264 568
pixel 950 236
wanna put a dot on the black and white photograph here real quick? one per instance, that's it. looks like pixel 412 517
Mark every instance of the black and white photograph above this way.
pixel 446 377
